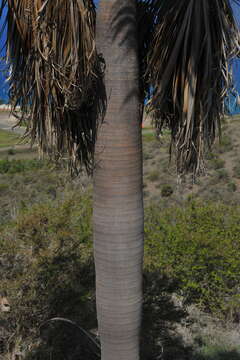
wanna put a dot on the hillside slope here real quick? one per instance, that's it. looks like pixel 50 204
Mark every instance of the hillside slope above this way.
pixel 221 181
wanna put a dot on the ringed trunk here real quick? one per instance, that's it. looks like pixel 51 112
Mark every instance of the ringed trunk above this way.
pixel 118 200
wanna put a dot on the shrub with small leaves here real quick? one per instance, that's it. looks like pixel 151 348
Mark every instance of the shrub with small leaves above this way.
pixel 222 174
pixel 18 166
pixel 11 151
pixel 166 191
pixel 47 269
pixel 232 187
pixel 197 246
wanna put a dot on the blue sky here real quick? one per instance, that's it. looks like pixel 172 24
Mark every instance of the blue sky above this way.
pixel 236 67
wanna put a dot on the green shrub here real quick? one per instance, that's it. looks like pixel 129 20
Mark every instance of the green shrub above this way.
pixel 11 151
pixel 47 264
pixel 166 191
pixel 222 174
pixel 36 185
pixel 197 246
pixel 47 269
pixel 232 187
pixel 18 166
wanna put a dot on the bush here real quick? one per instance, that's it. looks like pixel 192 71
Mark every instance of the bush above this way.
pixel 232 187
pixel 18 166
pixel 11 151
pixel 197 246
pixel 222 174
pixel 166 191
pixel 46 265
pixel 47 270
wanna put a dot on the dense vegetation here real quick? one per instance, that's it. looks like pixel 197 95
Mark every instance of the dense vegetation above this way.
pixel 198 247
pixel 47 266
pixel 191 255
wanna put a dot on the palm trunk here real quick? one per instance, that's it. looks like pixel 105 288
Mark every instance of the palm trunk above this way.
pixel 118 205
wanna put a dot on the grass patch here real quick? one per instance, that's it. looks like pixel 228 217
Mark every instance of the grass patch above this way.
pixel 148 136
pixel 18 166
pixel 216 163
pixel 8 139
pixel 224 145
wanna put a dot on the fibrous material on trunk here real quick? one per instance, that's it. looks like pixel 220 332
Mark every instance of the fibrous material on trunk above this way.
pixel 188 70
pixel 54 74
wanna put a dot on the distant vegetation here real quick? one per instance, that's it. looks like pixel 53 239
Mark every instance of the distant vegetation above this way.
pixel 18 166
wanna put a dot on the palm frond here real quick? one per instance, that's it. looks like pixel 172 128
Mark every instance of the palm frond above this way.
pixel 146 27
pixel 55 74
pixel 189 72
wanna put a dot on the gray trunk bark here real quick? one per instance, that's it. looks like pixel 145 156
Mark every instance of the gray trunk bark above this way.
pixel 118 203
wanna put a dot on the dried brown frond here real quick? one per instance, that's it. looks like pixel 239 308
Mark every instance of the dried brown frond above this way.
pixel 146 28
pixel 55 74
pixel 189 72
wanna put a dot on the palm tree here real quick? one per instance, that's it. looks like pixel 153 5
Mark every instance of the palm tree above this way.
pixel 88 100
pixel 118 202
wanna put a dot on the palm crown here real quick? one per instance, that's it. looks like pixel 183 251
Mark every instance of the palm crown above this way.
pixel 56 72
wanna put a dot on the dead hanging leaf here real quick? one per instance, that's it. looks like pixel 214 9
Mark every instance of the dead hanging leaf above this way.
pixel 55 74
pixel 188 71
